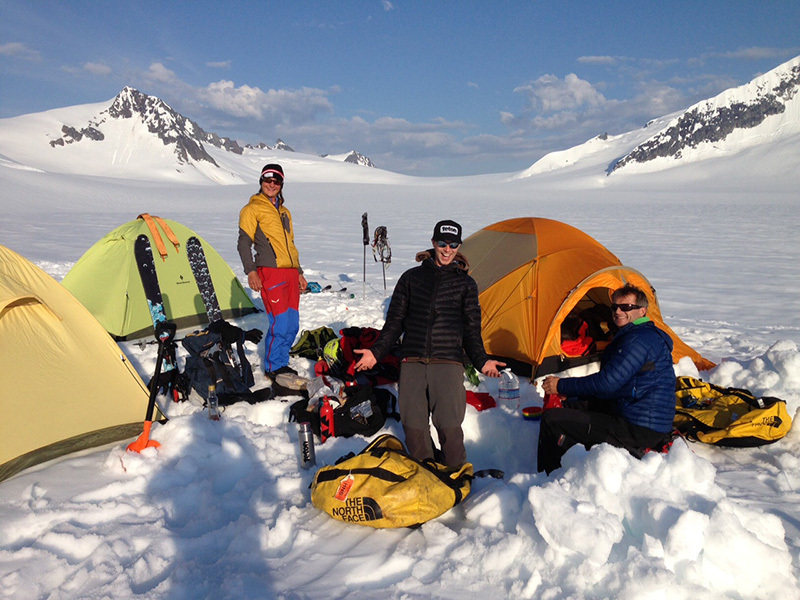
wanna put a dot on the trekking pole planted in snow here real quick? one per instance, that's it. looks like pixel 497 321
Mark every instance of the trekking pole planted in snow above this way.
pixel 365 230
pixel 381 250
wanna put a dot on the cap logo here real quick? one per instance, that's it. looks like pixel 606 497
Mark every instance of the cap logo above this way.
pixel 448 229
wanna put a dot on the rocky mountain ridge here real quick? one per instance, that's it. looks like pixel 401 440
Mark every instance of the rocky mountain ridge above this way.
pixel 160 119
pixel 353 157
pixel 171 127
pixel 713 120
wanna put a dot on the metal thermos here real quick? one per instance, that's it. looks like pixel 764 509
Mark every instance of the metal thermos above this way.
pixel 307 456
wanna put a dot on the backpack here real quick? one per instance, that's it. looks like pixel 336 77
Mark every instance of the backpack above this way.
pixel 312 342
pixel 364 412
pixel 208 362
pixel 728 416
pixel 383 487
pixel 339 358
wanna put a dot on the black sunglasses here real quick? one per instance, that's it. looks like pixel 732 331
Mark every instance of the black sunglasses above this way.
pixel 273 180
pixel 624 307
pixel 443 244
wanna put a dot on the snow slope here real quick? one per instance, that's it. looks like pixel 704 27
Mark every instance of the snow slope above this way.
pixel 222 510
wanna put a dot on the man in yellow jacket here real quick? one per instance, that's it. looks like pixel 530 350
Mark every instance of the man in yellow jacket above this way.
pixel 270 259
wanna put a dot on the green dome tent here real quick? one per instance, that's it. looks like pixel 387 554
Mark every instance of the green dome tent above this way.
pixel 106 280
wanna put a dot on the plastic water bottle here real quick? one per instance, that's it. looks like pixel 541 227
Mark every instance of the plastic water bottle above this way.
pixel 213 403
pixel 308 457
pixel 509 386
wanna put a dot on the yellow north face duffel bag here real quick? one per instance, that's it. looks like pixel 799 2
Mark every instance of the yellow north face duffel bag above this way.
pixel 728 416
pixel 385 487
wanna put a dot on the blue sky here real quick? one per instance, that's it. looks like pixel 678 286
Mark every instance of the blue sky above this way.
pixel 424 88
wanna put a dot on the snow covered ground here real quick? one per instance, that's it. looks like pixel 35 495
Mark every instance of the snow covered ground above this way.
pixel 222 510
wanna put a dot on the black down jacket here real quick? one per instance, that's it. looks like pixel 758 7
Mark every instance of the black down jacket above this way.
pixel 436 310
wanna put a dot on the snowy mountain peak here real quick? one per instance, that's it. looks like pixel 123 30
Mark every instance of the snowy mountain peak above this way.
pixel 160 120
pixel 130 102
pixel 718 120
pixel 279 145
pixel 357 158
pixel 353 157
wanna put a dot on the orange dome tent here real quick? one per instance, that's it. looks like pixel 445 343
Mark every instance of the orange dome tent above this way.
pixel 531 274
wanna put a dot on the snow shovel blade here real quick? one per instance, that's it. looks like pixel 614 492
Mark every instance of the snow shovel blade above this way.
pixel 143 441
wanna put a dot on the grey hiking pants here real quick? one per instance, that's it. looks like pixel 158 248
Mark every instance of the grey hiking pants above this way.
pixel 435 390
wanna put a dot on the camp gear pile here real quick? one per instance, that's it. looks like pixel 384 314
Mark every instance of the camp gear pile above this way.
pixel 339 358
pixel 208 363
pixel 354 410
pixel 311 343
pixel 728 416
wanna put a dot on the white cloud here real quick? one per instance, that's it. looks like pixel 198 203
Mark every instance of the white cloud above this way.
pixel 158 72
pixel 222 64
pixel 223 102
pixel 597 60
pixel 387 6
pixel 551 94
pixel 285 106
pixel 97 68
pixel 18 50
pixel 756 53
pixel 244 101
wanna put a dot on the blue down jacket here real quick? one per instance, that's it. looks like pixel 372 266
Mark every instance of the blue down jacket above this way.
pixel 636 375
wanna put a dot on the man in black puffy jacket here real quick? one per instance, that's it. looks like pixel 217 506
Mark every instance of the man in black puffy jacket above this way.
pixel 435 308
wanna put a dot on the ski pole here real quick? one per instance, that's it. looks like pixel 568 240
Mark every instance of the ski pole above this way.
pixel 365 231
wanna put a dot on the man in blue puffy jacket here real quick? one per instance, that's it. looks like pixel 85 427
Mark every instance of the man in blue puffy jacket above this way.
pixel 629 403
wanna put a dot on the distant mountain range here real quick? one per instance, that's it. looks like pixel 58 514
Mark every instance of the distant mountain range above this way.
pixel 279 145
pixel 763 112
pixel 714 121
pixel 137 136
pixel 133 115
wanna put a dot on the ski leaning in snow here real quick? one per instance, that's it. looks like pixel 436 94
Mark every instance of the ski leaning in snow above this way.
pixel 197 260
pixel 205 285
pixel 155 303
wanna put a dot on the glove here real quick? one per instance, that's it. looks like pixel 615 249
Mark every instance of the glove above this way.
pixel 230 334
pixel 253 335
pixel 165 331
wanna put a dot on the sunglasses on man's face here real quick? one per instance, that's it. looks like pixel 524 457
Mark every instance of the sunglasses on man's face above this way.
pixel 624 307
pixel 272 180
pixel 443 244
